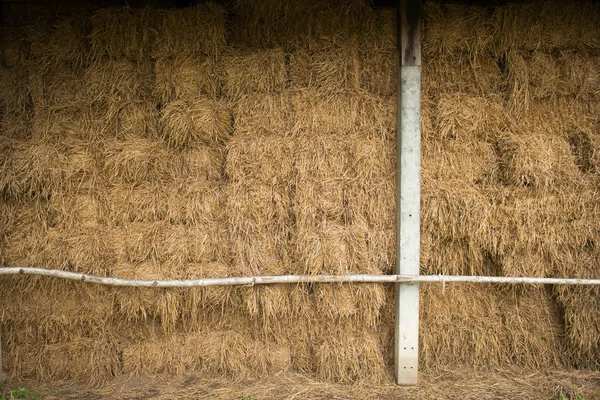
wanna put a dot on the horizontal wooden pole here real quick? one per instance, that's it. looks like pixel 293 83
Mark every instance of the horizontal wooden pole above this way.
pixel 277 279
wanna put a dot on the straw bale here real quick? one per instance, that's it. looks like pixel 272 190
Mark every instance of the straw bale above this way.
pixel 169 243
pixel 12 46
pixel 457 257
pixel 547 25
pixel 193 121
pixel 341 302
pixel 53 310
pixel 181 77
pixel 202 163
pixel 582 328
pixel 23 234
pixel 345 355
pixel 14 90
pixel 57 40
pixel 452 28
pixel 326 71
pixel 379 71
pixel 356 112
pixel 456 209
pixel 526 262
pixel 459 72
pixel 92 359
pixel 467 117
pixel 536 224
pixel 537 75
pixel 467 160
pixel 327 28
pixel 79 120
pixel 482 327
pixel 333 248
pixel 138 119
pixel 69 210
pixel 35 168
pixel 247 72
pixel 372 193
pixel 263 113
pixel 180 201
pixel 116 82
pixel 226 352
pixel 267 159
pixel 16 125
pixel 260 225
pixel 190 31
pixel 135 34
pixel 137 160
pixel 536 160
pixel 379 33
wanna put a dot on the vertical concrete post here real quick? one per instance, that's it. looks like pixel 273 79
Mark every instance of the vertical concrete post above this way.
pixel 408 195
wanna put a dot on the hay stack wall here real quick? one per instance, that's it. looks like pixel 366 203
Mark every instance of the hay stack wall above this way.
pixel 206 142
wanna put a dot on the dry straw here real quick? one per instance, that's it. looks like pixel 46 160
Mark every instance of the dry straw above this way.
pixel 195 121
pixel 355 112
pixel 256 114
pixel 456 29
pixel 14 90
pixel 180 77
pixel 482 326
pixel 134 38
pixel 56 40
pixel 190 32
pixel 331 70
pixel 248 72
pixel 457 73
pixel 547 26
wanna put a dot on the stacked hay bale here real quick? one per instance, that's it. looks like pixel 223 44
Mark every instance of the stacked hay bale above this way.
pixel 552 63
pixel 169 151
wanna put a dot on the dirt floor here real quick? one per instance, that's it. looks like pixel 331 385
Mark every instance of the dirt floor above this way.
pixel 464 384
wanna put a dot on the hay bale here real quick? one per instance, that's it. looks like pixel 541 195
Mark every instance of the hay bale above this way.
pixel 89 360
pixel 379 33
pixel 16 125
pixel 225 352
pixel 14 90
pixel 531 223
pixel 79 121
pixel 135 36
pixel 459 72
pixel 163 242
pixel 247 72
pixel 581 315
pixel 347 354
pixel 264 113
pixel 458 256
pixel 467 117
pixel 546 26
pixel 69 210
pixel 117 82
pixel 23 234
pixel 346 302
pixel 138 119
pixel 343 113
pixel 267 159
pixel 379 71
pixel 194 121
pixel 260 226
pixel 454 209
pixel 453 28
pixel 36 168
pixel 536 160
pixel 326 71
pixel 55 40
pixel 136 161
pixel 190 32
pixel 537 75
pixel 482 326
pixel 12 46
pixel 181 77
pixel 467 160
